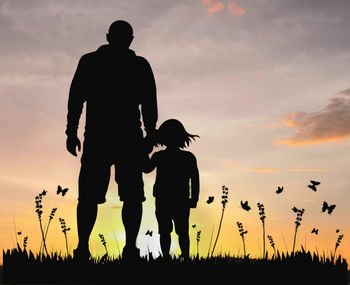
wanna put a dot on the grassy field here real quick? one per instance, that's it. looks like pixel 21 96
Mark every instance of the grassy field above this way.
pixel 301 267
pixel 22 266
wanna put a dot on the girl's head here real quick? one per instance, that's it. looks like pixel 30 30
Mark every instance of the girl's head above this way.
pixel 173 133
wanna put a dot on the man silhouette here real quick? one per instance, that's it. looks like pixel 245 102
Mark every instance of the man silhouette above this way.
pixel 117 87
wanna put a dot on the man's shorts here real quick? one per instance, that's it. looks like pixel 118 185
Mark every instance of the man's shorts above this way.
pixel 95 174
pixel 167 212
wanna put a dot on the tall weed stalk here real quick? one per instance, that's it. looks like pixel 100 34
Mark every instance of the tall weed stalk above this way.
pixel 224 201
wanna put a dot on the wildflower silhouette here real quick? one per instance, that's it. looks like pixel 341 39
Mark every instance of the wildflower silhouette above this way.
pixel 272 243
pixel 25 241
pixel 262 218
pixel 64 230
pixel 103 241
pixel 224 200
pixel 242 232
pixel 340 237
pixel 39 211
pixel 297 222
pixel 198 238
pixel 52 214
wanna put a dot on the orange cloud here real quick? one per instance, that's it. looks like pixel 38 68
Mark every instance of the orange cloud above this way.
pixel 213 6
pixel 307 170
pixel 116 207
pixel 232 164
pixel 235 9
pixel 263 170
pixel 268 126
pixel 327 125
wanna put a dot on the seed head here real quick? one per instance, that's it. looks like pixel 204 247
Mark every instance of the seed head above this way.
pixel 340 237
pixel 271 241
pixel 224 196
pixel 198 236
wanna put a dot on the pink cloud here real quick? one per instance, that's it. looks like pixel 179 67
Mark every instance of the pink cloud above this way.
pixel 213 6
pixel 235 9
pixel 329 124
pixel 263 170
pixel 307 170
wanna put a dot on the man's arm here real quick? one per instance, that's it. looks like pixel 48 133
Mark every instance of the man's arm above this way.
pixel 149 107
pixel 76 101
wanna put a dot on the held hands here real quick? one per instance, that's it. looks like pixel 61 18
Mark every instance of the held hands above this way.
pixel 150 141
pixel 72 143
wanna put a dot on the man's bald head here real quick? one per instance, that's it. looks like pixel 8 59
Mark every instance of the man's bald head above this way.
pixel 120 34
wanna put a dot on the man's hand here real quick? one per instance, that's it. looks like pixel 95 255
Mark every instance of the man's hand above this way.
pixel 150 141
pixel 72 143
pixel 192 203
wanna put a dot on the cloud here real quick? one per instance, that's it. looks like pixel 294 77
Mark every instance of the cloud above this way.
pixel 345 92
pixel 270 125
pixel 116 207
pixel 213 6
pixel 235 9
pixel 263 170
pixel 232 164
pixel 329 124
pixel 307 170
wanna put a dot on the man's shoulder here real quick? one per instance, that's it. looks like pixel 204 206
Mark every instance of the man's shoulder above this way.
pixel 87 57
pixel 141 60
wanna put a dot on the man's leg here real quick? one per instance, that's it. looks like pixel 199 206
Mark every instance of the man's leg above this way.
pixel 93 184
pixel 86 218
pixel 131 216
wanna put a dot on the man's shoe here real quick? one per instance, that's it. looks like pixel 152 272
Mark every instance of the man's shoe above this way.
pixel 81 254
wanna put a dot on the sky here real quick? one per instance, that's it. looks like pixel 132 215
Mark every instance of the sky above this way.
pixel 264 83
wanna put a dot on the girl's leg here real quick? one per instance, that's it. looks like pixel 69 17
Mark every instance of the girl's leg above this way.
pixel 165 241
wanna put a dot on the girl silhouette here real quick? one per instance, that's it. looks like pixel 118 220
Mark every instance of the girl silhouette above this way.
pixel 176 187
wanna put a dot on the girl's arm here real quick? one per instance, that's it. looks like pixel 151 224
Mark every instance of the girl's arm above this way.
pixel 150 163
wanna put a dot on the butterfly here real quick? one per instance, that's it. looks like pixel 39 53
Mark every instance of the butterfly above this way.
pixel 193 226
pixel 315 231
pixel 149 233
pixel 328 208
pixel 245 206
pixel 210 199
pixel 295 210
pixel 337 231
pixel 279 190
pixel 59 190
pixel 314 184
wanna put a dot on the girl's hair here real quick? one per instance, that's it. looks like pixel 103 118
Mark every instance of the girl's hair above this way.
pixel 172 132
